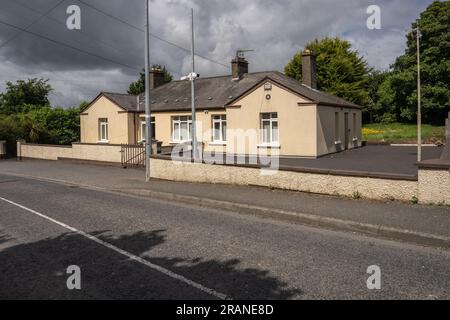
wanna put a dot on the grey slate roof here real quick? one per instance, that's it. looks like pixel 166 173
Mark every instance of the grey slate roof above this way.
pixel 126 101
pixel 217 92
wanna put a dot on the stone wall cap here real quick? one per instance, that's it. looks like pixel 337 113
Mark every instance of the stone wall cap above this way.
pixel 442 164
pixel 332 172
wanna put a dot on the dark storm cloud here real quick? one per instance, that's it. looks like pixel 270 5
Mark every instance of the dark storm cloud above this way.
pixel 275 29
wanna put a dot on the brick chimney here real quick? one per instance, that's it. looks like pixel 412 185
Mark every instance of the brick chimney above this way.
pixel 156 78
pixel 309 69
pixel 239 67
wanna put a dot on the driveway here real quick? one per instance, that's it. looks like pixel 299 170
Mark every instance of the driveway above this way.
pixel 382 159
pixel 372 159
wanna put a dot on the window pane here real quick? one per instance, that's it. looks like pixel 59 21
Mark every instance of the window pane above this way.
pixel 176 131
pixel 266 132
pixel 143 131
pixel 266 116
pixel 274 131
pixel 189 136
pixel 184 131
pixel 217 131
pixel 224 131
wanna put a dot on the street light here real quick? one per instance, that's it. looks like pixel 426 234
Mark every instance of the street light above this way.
pixel 191 77
pixel 148 122
pixel 419 95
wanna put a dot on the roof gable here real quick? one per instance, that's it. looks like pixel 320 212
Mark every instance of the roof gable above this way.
pixel 108 96
pixel 258 85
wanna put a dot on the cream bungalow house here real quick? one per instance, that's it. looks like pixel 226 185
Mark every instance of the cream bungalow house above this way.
pixel 264 110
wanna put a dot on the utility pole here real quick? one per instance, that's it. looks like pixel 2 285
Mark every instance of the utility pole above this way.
pixel 419 98
pixel 148 122
pixel 193 76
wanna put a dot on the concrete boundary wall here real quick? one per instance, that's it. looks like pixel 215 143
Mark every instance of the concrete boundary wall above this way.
pixel 434 186
pixel 350 186
pixel 87 152
pixel 46 152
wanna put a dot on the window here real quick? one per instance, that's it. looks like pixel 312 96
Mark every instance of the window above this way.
pixel 219 128
pixel 337 129
pixel 143 126
pixel 181 129
pixel 103 130
pixel 269 128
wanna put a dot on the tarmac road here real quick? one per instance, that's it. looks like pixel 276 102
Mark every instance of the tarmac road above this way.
pixel 137 248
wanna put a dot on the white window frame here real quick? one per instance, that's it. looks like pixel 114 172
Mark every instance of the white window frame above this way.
pixel 273 119
pixel 143 124
pixel 221 120
pixel 177 120
pixel 103 123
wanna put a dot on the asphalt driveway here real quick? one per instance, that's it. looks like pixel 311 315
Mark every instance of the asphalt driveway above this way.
pixel 376 159
pixel 382 159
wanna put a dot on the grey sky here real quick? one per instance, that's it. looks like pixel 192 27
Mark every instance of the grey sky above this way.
pixel 275 29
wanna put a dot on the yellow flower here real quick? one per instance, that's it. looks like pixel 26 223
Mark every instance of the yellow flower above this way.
pixel 368 131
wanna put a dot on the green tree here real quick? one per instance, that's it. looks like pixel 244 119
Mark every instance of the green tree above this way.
pixel 373 111
pixel 33 129
pixel 341 71
pixel 63 125
pixel 22 95
pixel 138 87
pixel 10 131
pixel 398 93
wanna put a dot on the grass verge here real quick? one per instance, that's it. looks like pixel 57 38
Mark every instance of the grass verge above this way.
pixel 402 133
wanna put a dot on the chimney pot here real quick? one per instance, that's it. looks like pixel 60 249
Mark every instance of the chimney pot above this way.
pixel 309 69
pixel 239 67
pixel 156 78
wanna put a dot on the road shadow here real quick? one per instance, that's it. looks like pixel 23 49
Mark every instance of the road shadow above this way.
pixel 4 238
pixel 37 270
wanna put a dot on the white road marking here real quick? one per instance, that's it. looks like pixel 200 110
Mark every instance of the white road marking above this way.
pixel 131 256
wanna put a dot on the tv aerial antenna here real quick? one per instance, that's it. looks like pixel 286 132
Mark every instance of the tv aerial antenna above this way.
pixel 240 53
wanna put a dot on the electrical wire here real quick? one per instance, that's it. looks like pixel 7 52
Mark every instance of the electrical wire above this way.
pixel 69 46
pixel 151 34
pixel 43 15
